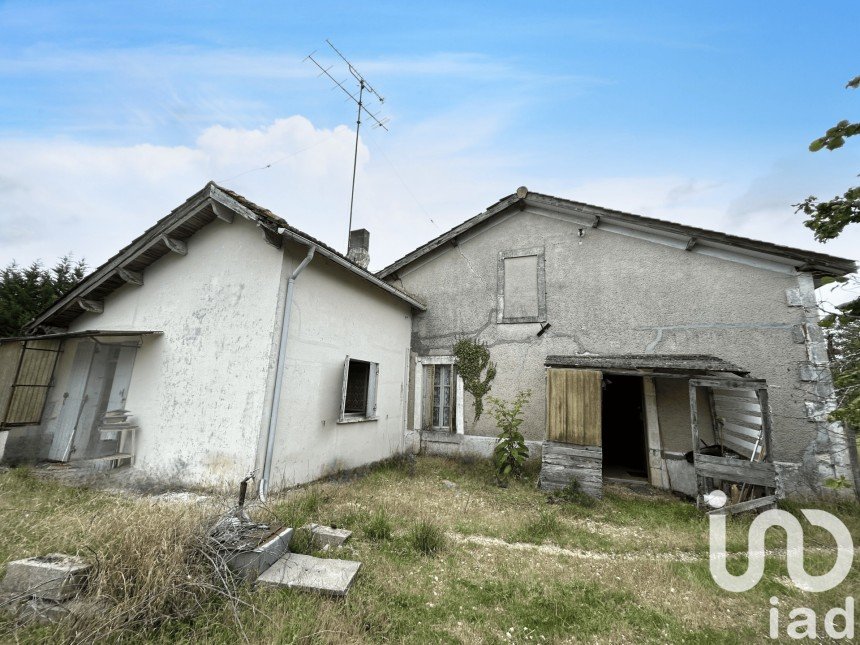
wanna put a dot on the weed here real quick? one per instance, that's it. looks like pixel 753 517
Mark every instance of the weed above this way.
pixel 571 494
pixel 378 526
pixel 426 537
pixel 540 529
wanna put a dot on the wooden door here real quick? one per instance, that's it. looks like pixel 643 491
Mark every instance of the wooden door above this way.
pixel 63 427
pixel 573 406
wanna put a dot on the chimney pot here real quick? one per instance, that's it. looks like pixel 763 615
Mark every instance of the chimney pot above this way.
pixel 359 247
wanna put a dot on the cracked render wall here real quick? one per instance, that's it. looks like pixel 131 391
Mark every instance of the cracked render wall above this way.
pixel 611 293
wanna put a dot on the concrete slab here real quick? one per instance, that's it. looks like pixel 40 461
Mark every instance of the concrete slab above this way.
pixel 50 577
pixel 326 536
pixel 247 548
pixel 308 573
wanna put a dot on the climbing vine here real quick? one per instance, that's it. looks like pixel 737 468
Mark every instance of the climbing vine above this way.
pixel 473 360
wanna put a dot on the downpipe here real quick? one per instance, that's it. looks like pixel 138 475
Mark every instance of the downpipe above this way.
pixel 279 375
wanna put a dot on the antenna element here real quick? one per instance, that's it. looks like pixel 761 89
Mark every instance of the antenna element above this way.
pixel 363 86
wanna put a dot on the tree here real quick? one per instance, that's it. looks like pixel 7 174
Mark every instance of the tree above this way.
pixel 27 291
pixel 828 219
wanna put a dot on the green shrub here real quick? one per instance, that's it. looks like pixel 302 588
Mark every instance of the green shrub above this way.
pixel 510 453
pixel 426 537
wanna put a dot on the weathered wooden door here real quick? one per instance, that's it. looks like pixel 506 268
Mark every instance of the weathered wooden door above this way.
pixel 63 427
pixel 574 406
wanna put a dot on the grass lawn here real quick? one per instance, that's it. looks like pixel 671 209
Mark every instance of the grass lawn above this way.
pixel 447 557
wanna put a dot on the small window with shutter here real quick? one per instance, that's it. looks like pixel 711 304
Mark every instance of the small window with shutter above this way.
pixel 358 397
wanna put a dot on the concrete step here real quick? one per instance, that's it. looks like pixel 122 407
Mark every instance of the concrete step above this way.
pixel 308 573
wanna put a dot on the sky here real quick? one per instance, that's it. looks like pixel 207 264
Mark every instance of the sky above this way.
pixel 112 114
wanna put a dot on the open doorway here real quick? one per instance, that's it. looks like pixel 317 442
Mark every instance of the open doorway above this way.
pixel 623 421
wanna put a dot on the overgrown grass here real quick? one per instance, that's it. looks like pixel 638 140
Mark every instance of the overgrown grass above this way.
pixel 426 537
pixel 466 563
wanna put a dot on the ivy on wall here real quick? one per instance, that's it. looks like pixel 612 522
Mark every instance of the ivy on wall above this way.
pixel 476 370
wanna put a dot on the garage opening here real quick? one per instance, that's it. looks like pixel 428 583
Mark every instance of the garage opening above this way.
pixel 623 422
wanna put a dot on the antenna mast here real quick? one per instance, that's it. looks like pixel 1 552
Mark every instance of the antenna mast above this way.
pixel 363 86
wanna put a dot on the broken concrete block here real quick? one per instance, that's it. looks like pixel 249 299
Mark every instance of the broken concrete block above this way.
pixel 326 536
pixel 248 548
pixel 50 577
pixel 308 573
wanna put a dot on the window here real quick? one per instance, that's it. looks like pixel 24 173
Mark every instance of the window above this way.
pixel 442 396
pixel 440 391
pixel 358 400
pixel 521 286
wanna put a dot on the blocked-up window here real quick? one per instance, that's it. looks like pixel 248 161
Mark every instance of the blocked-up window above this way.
pixel 358 400
pixel 522 286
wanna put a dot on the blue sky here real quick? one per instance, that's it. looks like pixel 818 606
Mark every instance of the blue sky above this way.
pixel 112 113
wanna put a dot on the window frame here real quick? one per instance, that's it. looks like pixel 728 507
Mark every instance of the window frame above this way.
pixel 370 413
pixel 539 252
pixel 419 395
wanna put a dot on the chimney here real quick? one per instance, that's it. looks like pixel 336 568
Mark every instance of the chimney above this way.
pixel 359 247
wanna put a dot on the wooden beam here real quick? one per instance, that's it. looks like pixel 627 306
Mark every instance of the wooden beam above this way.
pixel 691 243
pixel 92 306
pixel 131 277
pixel 222 212
pixel 271 237
pixel 175 245
pixel 745 506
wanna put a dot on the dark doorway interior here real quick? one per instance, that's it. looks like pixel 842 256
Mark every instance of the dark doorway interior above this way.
pixel 623 419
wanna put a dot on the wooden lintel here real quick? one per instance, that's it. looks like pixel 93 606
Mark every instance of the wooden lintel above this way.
pixel 596 221
pixel 222 212
pixel 131 277
pixel 92 306
pixel 691 243
pixel 271 237
pixel 175 245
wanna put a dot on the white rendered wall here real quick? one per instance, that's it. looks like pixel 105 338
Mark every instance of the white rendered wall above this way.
pixel 198 390
pixel 336 314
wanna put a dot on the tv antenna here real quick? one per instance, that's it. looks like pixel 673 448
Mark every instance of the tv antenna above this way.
pixel 363 86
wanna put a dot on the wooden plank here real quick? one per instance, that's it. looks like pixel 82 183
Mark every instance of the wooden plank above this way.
pixel 733 416
pixel 656 467
pixel 733 403
pixel 556 411
pixel 737 393
pixel 767 422
pixel 737 444
pixel 752 433
pixel 727 384
pixel 737 474
pixel 745 506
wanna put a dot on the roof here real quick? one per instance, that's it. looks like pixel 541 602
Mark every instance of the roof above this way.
pixel 203 207
pixel 680 362
pixel 88 333
pixel 811 261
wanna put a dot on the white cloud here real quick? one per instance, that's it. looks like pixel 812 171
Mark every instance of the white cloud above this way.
pixel 60 195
